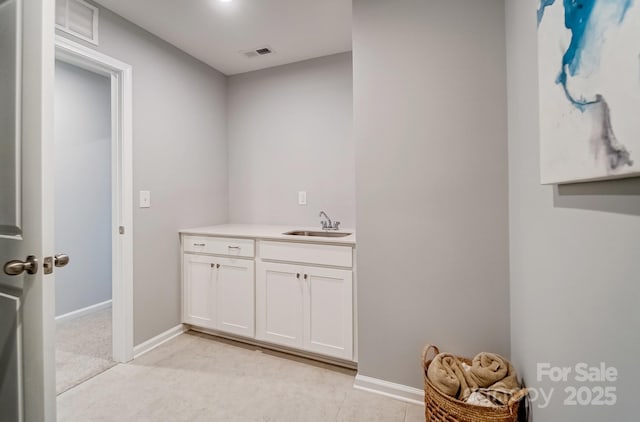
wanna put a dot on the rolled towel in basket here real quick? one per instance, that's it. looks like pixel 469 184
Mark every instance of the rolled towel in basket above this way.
pixel 447 375
pixel 489 370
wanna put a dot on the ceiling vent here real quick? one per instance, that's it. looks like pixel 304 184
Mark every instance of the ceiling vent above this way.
pixel 261 51
pixel 78 18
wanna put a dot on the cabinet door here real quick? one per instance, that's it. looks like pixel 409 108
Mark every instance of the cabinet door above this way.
pixel 279 304
pixel 235 296
pixel 329 312
pixel 198 291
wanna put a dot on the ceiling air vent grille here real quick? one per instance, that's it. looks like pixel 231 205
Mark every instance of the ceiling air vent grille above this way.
pixel 78 18
pixel 256 52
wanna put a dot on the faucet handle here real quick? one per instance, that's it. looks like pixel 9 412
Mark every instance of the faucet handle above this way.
pixel 336 225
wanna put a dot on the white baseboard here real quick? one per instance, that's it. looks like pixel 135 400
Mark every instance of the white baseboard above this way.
pixel 84 311
pixel 156 341
pixel 389 389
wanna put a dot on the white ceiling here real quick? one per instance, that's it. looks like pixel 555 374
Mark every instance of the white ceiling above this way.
pixel 217 32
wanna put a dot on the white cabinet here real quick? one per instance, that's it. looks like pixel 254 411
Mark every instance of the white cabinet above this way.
pixel 219 246
pixel 329 312
pixel 218 293
pixel 235 296
pixel 198 291
pixel 305 307
pixel 308 253
pixel 294 294
pixel 279 304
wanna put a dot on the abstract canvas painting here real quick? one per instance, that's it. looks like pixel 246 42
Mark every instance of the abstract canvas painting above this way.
pixel 589 81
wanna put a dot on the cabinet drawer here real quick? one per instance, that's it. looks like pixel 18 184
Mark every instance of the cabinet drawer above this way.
pixel 219 245
pixel 309 253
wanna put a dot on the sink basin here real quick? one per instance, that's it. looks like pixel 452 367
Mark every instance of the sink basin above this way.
pixel 316 234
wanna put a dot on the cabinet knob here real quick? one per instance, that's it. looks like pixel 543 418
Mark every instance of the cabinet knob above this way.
pixel 298 275
pixel 306 276
pixel 217 265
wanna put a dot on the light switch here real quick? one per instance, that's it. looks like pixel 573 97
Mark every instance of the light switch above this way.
pixel 145 199
pixel 302 198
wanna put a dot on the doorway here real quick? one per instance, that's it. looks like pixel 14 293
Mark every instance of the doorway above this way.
pixel 94 207
pixel 82 161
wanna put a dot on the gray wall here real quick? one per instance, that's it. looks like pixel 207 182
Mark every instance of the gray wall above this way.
pixel 179 154
pixel 82 160
pixel 290 130
pixel 431 181
pixel 575 267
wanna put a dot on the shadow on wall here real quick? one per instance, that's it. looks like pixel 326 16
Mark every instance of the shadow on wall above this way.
pixel 616 196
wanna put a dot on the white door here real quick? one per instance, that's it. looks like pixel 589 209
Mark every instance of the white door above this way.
pixel 279 304
pixel 329 312
pixel 26 188
pixel 234 296
pixel 199 287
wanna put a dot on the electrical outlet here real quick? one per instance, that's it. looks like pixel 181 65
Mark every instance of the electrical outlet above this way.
pixel 302 198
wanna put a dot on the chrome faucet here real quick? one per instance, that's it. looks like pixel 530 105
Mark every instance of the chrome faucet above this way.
pixel 328 225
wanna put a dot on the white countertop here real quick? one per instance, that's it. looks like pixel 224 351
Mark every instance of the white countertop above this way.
pixel 262 231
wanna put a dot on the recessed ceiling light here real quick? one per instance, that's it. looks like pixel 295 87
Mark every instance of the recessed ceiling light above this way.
pixel 225 1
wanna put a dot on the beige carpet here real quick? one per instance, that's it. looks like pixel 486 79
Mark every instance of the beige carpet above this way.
pixel 83 349
pixel 196 378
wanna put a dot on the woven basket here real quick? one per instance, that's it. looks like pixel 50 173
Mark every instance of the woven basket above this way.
pixel 442 408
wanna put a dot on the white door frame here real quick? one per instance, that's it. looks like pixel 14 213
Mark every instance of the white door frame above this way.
pixel 122 184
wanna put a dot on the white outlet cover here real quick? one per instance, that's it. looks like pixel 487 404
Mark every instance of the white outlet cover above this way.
pixel 302 198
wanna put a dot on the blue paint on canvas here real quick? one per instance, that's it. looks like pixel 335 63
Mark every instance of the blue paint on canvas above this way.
pixel 543 5
pixel 626 5
pixel 580 19
pixel 578 15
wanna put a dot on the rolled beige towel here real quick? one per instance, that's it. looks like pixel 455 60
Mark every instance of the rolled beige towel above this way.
pixel 492 370
pixel 510 382
pixel 447 375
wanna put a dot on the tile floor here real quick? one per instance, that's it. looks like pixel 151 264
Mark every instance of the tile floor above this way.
pixel 195 377
pixel 83 349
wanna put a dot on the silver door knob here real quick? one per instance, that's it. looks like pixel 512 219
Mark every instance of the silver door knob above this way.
pixel 17 267
pixel 60 260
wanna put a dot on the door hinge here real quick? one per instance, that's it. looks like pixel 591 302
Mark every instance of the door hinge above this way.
pixel 121 229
